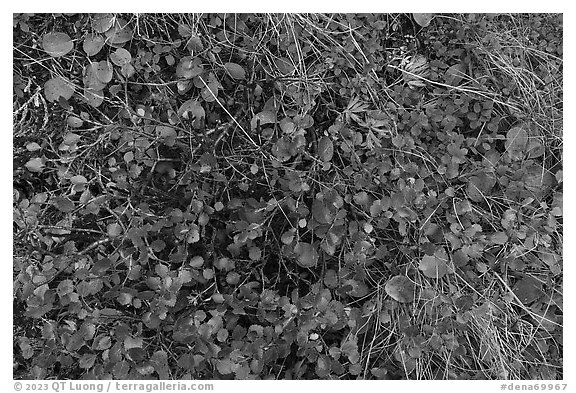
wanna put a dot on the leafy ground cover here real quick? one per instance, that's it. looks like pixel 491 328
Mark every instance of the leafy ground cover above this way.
pixel 322 196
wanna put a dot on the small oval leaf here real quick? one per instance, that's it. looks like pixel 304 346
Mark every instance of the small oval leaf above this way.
pixel 74 121
pixel 423 19
pixel 306 254
pixel 285 66
pixel 35 165
pixel 325 149
pixel 114 229
pixel 92 44
pixel 78 180
pixel 235 70
pixel 120 57
pixel 90 77
pixel 104 71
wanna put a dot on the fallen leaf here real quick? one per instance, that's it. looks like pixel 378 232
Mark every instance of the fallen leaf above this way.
pixel 235 70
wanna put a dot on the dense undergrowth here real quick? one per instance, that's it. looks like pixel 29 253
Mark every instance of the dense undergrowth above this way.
pixel 287 196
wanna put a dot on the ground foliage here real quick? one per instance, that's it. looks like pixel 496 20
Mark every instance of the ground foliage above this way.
pixel 291 196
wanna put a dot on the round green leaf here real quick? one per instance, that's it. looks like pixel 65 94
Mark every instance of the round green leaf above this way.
pixel 57 44
pixel 74 121
pixel 210 92
pixel 528 289
pixel 499 238
pixel 423 19
pixel 288 236
pixel 104 71
pixel 189 67
pixel 537 179
pixel 33 146
pixel 331 279
pixel 233 278
pixel 102 342
pixel 90 76
pixel 102 22
pixel 192 109
pixel 35 165
pixel 321 212
pixel 63 204
pixel 235 70
pixel 168 134
pixel 453 75
pixel 114 229
pixel 193 235
pixel 197 262
pixel 194 44
pixel 284 66
pixel 120 57
pixel 127 70
pixel 78 180
pixel 306 254
pixel 265 117
pixel 65 287
pixel 93 97
pixel 480 186
pixel 120 33
pixel 133 342
pixel 325 149
pixel 281 149
pixel 92 44
pixel 516 142
pixel 433 267
pixel 255 253
pixel 400 288
pixel 359 288
pixel 87 360
pixel 58 87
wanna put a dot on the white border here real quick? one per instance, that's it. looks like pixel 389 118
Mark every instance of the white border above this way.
pixel 305 6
